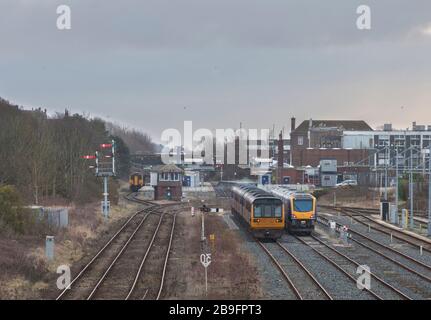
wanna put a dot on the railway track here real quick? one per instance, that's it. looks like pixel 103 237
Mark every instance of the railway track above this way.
pixel 108 275
pixel 422 214
pixel 399 258
pixel 221 191
pixel 333 256
pixel 302 282
pixel 369 222
pixel 420 218
pixel 145 284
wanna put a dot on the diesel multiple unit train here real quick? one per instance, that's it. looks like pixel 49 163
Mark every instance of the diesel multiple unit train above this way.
pixel 261 211
pixel 136 181
pixel 300 209
pixel 268 214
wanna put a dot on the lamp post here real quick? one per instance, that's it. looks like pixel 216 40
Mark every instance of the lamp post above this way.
pixel 429 189
pixel 411 190
pixel 386 172
pixel 396 188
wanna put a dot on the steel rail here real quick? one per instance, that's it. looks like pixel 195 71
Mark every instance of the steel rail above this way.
pixel 283 272
pixel 389 231
pixel 388 285
pixel 304 268
pixel 336 265
pixel 90 263
pixel 141 265
pixel 166 258
pixel 114 261
pixel 420 263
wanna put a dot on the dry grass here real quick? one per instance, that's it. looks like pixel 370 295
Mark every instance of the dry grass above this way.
pixel 352 196
pixel 26 273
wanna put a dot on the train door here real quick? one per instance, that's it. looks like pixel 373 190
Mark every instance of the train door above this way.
pixel 288 213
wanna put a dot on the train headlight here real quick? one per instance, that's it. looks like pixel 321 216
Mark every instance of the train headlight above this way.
pixel 256 220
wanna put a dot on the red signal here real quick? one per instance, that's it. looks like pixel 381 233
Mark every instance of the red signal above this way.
pixel 88 157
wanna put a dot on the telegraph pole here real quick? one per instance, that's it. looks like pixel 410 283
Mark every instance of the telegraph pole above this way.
pixel 429 191
pixel 411 190
pixel 396 186
pixel 386 172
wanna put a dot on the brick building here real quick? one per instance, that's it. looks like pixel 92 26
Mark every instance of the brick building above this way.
pixel 314 140
pixel 344 157
pixel 167 182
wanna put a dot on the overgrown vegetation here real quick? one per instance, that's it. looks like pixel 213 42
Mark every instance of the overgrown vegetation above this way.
pixel 40 156
pixel 12 216
pixel 137 142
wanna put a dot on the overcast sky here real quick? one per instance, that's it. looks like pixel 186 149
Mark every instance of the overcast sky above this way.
pixel 153 64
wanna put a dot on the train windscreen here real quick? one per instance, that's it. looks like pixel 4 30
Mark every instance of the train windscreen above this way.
pixel 303 205
pixel 267 209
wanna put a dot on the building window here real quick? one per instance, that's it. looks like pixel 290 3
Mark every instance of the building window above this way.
pixel 300 140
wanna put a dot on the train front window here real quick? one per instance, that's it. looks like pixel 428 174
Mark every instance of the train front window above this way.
pixel 267 209
pixel 258 211
pixel 277 211
pixel 305 205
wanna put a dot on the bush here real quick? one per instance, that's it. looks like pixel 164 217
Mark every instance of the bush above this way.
pixel 12 215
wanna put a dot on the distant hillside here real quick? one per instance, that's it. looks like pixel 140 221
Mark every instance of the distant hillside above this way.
pixel 137 142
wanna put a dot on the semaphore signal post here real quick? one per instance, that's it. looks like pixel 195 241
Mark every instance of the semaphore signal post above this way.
pixel 105 168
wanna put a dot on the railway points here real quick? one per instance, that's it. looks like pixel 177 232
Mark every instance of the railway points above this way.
pixel 140 260
pixel 114 262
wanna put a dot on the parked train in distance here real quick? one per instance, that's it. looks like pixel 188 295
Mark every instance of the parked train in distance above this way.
pixel 136 181
pixel 261 211
pixel 300 209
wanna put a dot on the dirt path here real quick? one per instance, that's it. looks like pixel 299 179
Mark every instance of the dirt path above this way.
pixel 231 275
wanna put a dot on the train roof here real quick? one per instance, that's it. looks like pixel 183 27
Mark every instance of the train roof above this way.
pixel 252 193
pixel 285 193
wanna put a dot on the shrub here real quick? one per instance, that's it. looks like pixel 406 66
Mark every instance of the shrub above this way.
pixel 12 215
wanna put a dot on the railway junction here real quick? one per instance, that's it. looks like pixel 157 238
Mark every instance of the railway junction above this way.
pixel 156 253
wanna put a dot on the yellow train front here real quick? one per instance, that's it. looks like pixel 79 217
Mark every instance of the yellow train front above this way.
pixel 136 182
pixel 262 212
pixel 300 210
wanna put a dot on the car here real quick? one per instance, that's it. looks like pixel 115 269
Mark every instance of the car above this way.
pixel 346 183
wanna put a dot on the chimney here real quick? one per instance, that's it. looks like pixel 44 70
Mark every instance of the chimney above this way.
pixel 310 125
pixel 292 124
pixel 414 126
pixel 280 158
pixel 280 150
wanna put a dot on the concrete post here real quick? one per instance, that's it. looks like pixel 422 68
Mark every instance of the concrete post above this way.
pixel 49 247
pixel 404 221
pixel 105 197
